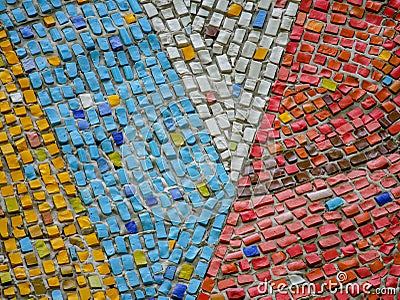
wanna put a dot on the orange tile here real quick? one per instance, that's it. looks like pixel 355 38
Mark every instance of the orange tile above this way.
pixel 357 12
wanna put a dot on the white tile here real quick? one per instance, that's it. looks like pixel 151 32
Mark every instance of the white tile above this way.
pixel 223 63
pixel 212 126
pixel 255 69
pixel 197 41
pixel 180 7
pixel 245 19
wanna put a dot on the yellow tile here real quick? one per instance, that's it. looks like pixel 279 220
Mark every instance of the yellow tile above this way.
pixel 26 123
pixel 114 100
pixel 203 189
pixel 3 178
pixel 17 70
pixel 7 149
pixel 10 245
pixel 58 163
pixel 9 118
pixel 48 138
pixel 98 255
pixel 4 267
pixel 49 21
pixel 48 266
pixel 21 144
pixel 385 55
pixel 81 280
pixel 62 257
pixel 11 57
pixel 84 222
pixel 8 292
pixel 109 281
pixel 99 295
pixel 59 201
pixel 103 269
pixel 16 221
pixel 11 204
pixel 20 111
pixel 129 18
pixel 15 259
pixel 14 131
pixel 285 117
pixel 171 244
pixel 186 272
pixel 72 296
pixel 77 268
pixel 11 88
pixel 5 77
pixel 35 231
pixel 57 244
pixel 9 191
pixel 31 259
pixel 53 149
pixel 21 188
pixel 35 272
pixel 44 169
pixel 52 188
pixel 26 202
pixel 26 156
pixel 53 231
pixel 43 207
pixel 24 288
pixel 70 189
pixel 113 294
pixel 19 233
pixel 234 10
pixel 42 124
pixel 54 60
pixel 35 184
pixel 188 53
pixel 24 83
pixel 41 196
pixel 140 258
pixel 85 294
pixel 53 282
pixel 65 216
pixel 177 139
pixel 48 180
pixel 88 268
pixel 83 255
pixel 91 240
pixel 30 216
pixel 260 54
pixel 5 107
pixel 5 278
pixel 36 111
pixel 19 273
pixel 6 45
pixel 329 84
pixel 3 137
pixel 29 96
pixel 12 162
pixel 64 177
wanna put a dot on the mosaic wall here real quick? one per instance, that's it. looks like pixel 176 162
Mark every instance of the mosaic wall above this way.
pixel 199 149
